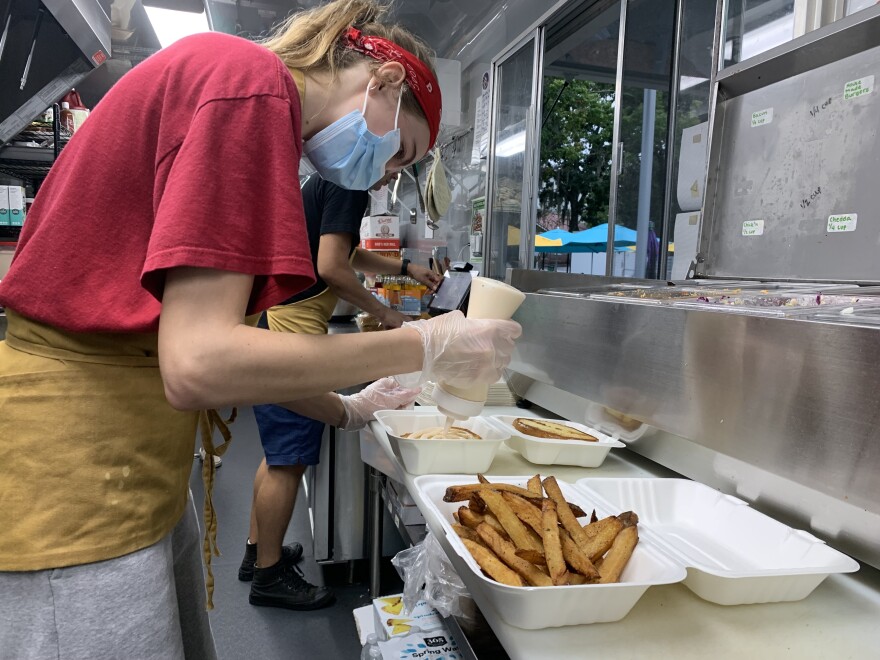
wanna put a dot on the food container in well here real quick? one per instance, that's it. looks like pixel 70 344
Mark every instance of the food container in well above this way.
pixel 549 451
pixel 733 554
pixel 440 456
pixel 546 607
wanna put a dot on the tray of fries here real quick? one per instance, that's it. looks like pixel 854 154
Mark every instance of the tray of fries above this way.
pixel 436 455
pixel 558 451
pixel 734 555
pixel 588 564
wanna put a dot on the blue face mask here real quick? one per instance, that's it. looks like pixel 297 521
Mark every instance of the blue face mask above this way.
pixel 348 154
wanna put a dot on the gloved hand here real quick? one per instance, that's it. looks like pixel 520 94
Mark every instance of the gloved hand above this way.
pixel 463 352
pixel 384 394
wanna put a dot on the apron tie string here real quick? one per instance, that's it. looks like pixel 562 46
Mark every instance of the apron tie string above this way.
pixel 208 421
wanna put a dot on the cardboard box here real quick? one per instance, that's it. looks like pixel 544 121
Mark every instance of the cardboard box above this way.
pixel 16 205
pixel 4 207
pixel 381 244
pixel 407 514
pixel 392 622
pixel 380 226
pixel 435 645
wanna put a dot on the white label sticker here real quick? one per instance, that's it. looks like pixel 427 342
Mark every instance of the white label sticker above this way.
pixel 762 117
pixel 753 228
pixel 856 88
pixel 846 222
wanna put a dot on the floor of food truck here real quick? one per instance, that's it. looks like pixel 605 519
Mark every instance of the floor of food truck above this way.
pixel 242 630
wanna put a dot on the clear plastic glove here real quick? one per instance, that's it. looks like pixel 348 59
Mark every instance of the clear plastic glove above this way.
pixel 463 352
pixel 385 394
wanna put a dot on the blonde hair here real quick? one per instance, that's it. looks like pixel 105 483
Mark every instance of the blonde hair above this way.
pixel 310 40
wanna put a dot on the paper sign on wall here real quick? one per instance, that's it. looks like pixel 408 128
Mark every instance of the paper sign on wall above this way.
pixel 845 222
pixel 753 228
pixel 761 117
pixel 856 88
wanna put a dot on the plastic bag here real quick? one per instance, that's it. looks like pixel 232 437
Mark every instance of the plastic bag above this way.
pixel 427 573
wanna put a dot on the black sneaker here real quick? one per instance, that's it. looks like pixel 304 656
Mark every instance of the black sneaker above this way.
pixel 283 585
pixel 289 553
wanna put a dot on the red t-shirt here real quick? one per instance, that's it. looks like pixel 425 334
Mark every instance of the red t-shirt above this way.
pixel 191 159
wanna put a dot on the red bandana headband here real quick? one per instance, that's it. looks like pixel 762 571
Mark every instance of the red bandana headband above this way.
pixel 418 76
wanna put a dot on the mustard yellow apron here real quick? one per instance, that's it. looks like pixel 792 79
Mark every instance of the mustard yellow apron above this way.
pixel 94 462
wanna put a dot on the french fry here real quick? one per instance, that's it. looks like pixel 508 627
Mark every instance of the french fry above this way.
pixel 469 518
pixel 532 556
pixel 482 479
pixel 576 511
pixel 534 485
pixel 628 518
pixel 490 563
pixel 594 517
pixel 507 552
pixel 495 524
pixel 466 533
pixel 472 519
pixel 476 503
pixel 601 536
pixel 525 511
pixel 618 556
pixel 571 525
pixel 455 517
pixel 464 492
pixel 531 515
pixel 576 558
pixel 576 578
pixel 514 527
pixel 552 546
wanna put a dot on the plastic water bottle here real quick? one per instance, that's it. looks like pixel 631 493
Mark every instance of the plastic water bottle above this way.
pixel 371 648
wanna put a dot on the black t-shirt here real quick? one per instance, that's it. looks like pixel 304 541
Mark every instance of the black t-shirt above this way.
pixel 329 210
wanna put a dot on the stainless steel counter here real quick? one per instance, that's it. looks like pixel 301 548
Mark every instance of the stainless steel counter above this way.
pixel 782 412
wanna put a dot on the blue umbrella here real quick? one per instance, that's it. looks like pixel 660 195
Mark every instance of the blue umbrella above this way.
pixel 598 236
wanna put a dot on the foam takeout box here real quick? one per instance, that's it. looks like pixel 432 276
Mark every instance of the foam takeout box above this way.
pixel 719 547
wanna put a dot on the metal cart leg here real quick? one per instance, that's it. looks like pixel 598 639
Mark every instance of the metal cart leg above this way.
pixel 376 514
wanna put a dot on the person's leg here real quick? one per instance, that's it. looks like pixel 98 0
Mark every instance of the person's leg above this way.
pixel 253 531
pixel 280 436
pixel 291 443
pixel 274 508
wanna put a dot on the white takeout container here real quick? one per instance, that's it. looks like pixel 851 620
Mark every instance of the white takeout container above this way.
pixel 547 607
pixel 734 555
pixel 718 546
pixel 549 451
pixel 440 456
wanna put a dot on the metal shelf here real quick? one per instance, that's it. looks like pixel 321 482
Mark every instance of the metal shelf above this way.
pixel 830 43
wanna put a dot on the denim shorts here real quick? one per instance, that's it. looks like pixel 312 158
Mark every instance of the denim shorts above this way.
pixel 288 438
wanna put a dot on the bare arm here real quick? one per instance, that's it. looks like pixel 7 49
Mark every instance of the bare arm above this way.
pixel 208 357
pixel 370 262
pixel 335 269
pixel 325 408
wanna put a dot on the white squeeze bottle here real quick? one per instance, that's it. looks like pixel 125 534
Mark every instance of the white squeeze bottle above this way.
pixel 489 299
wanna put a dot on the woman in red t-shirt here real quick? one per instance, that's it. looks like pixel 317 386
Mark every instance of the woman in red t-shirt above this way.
pixel 173 213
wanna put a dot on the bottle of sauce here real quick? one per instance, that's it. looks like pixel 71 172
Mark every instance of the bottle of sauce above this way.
pixel 489 299
pixel 66 117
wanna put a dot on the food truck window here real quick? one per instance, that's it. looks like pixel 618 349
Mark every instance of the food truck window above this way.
pixel 577 140
pixel 511 133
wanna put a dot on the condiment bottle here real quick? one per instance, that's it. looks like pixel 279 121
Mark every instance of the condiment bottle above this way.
pixel 489 299
pixel 66 117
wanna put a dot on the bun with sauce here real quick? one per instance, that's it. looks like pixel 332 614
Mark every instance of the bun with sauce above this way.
pixel 544 428
pixel 439 433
